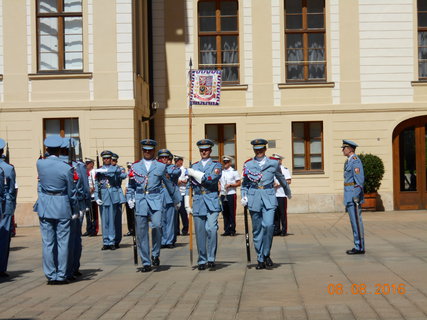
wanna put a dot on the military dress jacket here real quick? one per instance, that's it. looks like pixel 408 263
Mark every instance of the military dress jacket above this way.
pixel 145 187
pixel 354 178
pixel 207 191
pixel 258 184
pixel 57 194
pixel 121 174
pixel 8 200
pixel 108 185
pixel 172 173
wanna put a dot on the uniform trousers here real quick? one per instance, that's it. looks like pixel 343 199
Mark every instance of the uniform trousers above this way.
pixel 229 213
pixel 5 236
pixel 154 218
pixel 130 218
pixel 168 224
pixel 263 229
pixel 281 216
pixel 55 239
pixel 118 224
pixel 184 218
pixel 107 219
pixel 356 225
pixel 206 227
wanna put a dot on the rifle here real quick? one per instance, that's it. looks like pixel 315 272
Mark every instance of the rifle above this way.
pixel 96 175
pixel 135 247
pixel 248 248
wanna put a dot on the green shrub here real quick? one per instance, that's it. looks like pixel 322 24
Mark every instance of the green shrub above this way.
pixel 373 167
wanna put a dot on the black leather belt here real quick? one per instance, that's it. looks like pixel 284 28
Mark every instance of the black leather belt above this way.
pixel 56 193
pixel 152 191
pixel 257 186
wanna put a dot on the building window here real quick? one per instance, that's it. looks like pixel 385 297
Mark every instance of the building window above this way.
pixel 219 38
pixel 224 137
pixel 59 35
pixel 307 146
pixel 422 40
pixel 305 40
pixel 65 127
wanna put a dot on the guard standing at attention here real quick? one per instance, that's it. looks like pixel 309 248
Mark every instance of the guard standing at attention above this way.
pixel 168 214
pixel 130 213
pixel 144 193
pixel 108 198
pixel 120 176
pixel 354 179
pixel 7 208
pixel 205 176
pixel 259 195
pixel 182 184
pixel 56 203
pixel 92 215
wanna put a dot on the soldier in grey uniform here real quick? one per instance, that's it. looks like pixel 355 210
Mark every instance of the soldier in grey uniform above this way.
pixel 259 195
pixel 121 175
pixel 56 203
pixel 7 208
pixel 205 176
pixel 108 198
pixel 145 195
pixel 354 179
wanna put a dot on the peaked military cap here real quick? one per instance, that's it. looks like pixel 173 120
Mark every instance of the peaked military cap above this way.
pixel 164 153
pixel 349 143
pixel 205 144
pixel 53 141
pixel 259 143
pixel 148 144
pixel 227 158
pixel 114 156
pixel 277 156
pixel 89 160
pixel 2 143
pixel 177 157
pixel 106 154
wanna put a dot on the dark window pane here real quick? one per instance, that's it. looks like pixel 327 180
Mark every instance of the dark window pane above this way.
pixel 293 21
pixel 295 55
pixel 295 72
pixel 316 162
pixel 422 38
pixel 422 5
pixel 422 19
pixel 293 6
pixel 48 6
pixel 230 57
pixel 422 69
pixel 228 23
pixel 316 40
pixel 422 53
pixel 208 50
pixel 208 43
pixel 294 41
pixel 230 74
pixel 207 24
pixel 315 130
pixel 316 71
pixel 315 21
pixel 228 8
pixel 229 43
pixel 408 180
pixel 316 55
pixel 315 6
pixel 207 8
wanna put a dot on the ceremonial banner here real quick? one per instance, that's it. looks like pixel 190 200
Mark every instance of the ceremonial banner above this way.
pixel 205 87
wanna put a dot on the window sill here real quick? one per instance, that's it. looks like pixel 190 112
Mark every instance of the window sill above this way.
pixel 50 76
pixel 306 85
pixel 235 87
pixel 419 83
pixel 303 173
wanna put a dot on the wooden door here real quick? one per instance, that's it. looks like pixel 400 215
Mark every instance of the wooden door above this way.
pixel 409 164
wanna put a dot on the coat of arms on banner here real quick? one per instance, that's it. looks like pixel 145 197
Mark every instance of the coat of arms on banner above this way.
pixel 205 87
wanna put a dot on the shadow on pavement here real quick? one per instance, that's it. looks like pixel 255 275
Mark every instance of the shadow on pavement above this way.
pixel 89 274
pixel 13 275
pixel 17 248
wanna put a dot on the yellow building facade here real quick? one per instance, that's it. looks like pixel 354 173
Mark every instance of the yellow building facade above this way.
pixel 69 67
pixel 368 80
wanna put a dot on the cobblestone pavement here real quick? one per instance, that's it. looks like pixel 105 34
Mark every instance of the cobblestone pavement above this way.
pixel 312 278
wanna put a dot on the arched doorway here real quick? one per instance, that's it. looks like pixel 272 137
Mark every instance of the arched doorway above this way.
pixel 409 164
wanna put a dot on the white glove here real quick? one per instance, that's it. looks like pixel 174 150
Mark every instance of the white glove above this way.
pixel 101 170
pixel 131 203
pixel 99 202
pixel 82 214
pixel 196 174
pixel 177 206
pixel 75 216
pixel 187 205
pixel 244 201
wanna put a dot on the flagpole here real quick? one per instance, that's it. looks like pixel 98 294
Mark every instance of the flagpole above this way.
pixel 190 134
